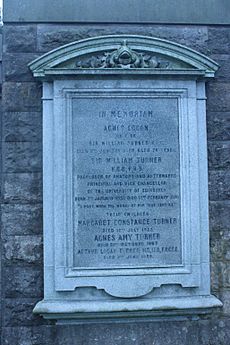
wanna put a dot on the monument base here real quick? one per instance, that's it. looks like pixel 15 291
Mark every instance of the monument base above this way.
pixel 121 311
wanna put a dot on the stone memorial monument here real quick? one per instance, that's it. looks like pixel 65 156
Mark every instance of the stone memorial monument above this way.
pixel 125 179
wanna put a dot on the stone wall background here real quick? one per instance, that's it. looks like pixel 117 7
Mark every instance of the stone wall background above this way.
pixel 21 192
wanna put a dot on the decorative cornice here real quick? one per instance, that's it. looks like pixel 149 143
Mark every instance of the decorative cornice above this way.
pixel 123 54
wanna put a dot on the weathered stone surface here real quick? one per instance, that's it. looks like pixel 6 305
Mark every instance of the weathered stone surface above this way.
pixel 22 126
pixel 219 187
pixel 214 332
pixel 21 97
pixel 23 249
pixel 16 66
pixel 220 275
pixel 22 187
pixel 203 332
pixel 218 125
pixel 38 335
pixel 53 36
pixel 219 215
pixel 224 296
pixel 159 333
pixel 216 268
pixel 223 73
pixel 219 40
pixel 219 155
pixel 19 312
pixel 218 97
pixel 220 246
pixel 134 11
pixel 23 282
pixel 20 157
pixel 21 219
pixel 20 38
pixel 217 249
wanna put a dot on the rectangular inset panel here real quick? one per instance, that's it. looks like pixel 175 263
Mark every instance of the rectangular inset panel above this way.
pixel 126 182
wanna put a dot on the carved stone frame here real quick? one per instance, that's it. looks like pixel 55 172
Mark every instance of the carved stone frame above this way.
pixel 73 71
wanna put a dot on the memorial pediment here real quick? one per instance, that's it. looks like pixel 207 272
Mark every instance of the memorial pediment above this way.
pixel 119 54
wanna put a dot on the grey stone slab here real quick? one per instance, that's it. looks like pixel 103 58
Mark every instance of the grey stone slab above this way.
pixel 120 200
pixel 218 97
pixel 22 126
pixel 219 215
pixel 129 11
pixel 218 125
pixel 53 36
pixel 19 312
pixel 141 112
pixel 24 282
pixel 22 187
pixel 219 187
pixel 15 66
pixel 20 157
pixel 22 250
pixel 219 40
pixel 21 97
pixel 219 155
pixel 22 335
pixel 21 219
pixel 20 38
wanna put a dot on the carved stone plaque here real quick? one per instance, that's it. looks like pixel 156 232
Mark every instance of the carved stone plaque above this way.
pixel 125 179
pixel 126 182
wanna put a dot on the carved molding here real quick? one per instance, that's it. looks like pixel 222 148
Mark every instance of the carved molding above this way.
pixel 123 57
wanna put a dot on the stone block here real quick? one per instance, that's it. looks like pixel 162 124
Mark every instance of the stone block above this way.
pixel 224 296
pixel 22 126
pixel 214 332
pixel 215 275
pixel 219 155
pixel 223 73
pixel 220 246
pixel 21 219
pixel 24 282
pixel 218 125
pixel 217 249
pixel 53 36
pixel 220 275
pixel 143 333
pixel 20 97
pixel 37 335
pixel 219 40
pixel 20 157
pixel 19 312
pixel 219 215
pixel 219 187
pixel 22 250
pixel 218 97
pixel 15 66
pixel 22 188
pixel 20 38
pixel 226 276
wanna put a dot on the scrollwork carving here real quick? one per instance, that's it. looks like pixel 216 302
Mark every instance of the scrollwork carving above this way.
pixel 123 57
